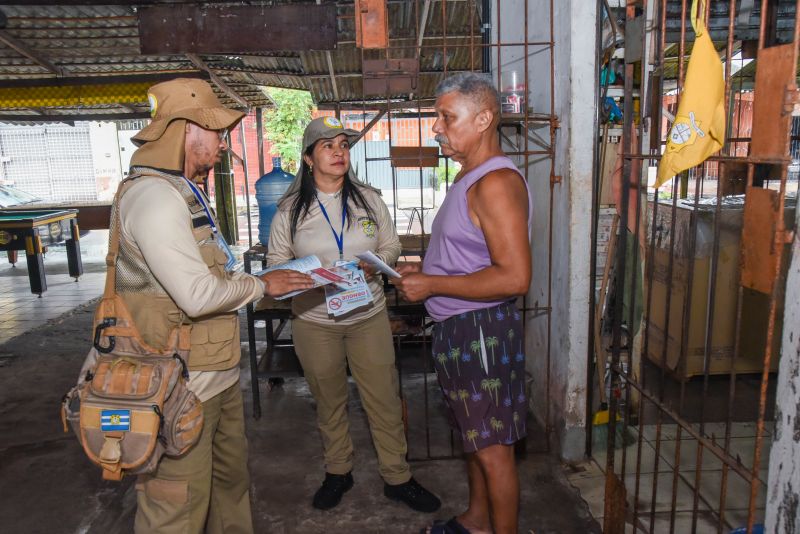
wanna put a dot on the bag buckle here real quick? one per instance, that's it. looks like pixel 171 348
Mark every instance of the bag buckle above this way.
pixel 107 322
pixel 111 451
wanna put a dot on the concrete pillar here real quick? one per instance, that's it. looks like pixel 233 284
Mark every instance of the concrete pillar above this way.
pixel 559 395
pixel 783 502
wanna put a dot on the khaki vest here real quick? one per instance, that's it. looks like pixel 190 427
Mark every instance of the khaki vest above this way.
pixel 214 338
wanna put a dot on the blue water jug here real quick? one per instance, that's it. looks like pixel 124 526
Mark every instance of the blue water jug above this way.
pixel 269 189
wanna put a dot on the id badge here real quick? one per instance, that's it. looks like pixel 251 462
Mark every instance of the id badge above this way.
pixel 230 265
pixel 357 294
pixel 348 264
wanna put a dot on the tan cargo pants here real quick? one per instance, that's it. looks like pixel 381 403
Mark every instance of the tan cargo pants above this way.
pixel 208 488
pixel 323 351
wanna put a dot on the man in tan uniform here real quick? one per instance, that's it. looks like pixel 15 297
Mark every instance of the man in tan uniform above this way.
pixel 174 267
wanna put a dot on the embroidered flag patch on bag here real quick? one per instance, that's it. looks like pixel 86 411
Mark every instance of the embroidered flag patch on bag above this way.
pixel 115 420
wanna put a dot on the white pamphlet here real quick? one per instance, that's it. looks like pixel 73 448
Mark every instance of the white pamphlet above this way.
pixel 342 300
pixel 311 266
pixel 302 265
pixel 378 263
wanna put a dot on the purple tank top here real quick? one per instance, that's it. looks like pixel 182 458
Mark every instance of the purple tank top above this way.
pixel 457 246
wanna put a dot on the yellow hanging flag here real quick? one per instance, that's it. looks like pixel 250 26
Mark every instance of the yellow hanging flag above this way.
pixel 699 127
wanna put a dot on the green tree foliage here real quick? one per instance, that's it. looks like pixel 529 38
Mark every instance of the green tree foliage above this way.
pixel 284 124
pixel 447 174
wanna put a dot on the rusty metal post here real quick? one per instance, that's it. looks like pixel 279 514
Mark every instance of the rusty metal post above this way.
pixel 260 138
pixel 246 184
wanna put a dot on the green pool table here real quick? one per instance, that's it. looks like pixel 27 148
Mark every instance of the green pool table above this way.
pixel 35 229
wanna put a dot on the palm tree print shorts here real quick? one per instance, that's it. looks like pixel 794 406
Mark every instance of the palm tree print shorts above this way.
pixel 480 364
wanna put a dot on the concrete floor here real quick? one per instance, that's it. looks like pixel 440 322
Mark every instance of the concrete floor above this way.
pixel 590 478
pixel 21 310
pixel 47 485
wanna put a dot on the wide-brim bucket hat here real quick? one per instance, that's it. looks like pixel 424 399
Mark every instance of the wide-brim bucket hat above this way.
pixel 185 98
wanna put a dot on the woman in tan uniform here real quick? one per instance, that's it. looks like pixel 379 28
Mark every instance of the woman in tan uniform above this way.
pixel 329 213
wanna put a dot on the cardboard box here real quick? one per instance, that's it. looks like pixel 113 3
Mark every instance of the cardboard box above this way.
pixel 686 341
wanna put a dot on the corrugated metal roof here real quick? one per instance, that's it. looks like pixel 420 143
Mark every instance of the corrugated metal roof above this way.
pixel 746 28
pixel 103 40
pixel 719 19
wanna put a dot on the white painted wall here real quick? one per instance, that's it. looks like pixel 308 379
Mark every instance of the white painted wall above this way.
pixel 126 149
pixel 783 503
pixel 105 156
pixel 574 61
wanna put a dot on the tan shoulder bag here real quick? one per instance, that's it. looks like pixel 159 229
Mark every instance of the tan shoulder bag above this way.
pixel 131 404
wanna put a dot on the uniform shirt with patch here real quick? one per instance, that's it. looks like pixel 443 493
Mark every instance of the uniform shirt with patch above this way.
pixel 314 236
pixel 154 216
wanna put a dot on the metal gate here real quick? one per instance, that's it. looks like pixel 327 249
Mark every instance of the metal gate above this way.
pixel 445 37
pixel 687 312
pixel 53 162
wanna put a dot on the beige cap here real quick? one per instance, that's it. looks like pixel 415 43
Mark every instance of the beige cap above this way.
pixel 185 98
pixel 323 128
pixel 326 128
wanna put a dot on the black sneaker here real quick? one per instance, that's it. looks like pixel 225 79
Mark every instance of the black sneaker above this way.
pixel 331 491
pixel 414 495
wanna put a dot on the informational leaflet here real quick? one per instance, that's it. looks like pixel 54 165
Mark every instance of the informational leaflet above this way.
pixel 379 264
pixel 341 300
pixel 311 266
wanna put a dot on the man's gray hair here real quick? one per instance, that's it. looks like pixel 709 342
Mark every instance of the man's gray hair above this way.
pixel 476 85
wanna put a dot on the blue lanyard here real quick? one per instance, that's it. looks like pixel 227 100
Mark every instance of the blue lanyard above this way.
pixel 202 203
pixel 340 236
pixel 231 263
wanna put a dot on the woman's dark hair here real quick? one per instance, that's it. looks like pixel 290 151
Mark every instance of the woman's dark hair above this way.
pixel 351 195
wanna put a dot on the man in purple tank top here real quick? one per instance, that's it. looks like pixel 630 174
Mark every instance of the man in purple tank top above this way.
pixel 478 262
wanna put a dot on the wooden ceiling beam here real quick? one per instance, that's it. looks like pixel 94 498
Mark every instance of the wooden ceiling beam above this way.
pixel 26 51
pixel 74 117
pixel 102 80
pixel 200 64
pixel 265 72
pixel 423 23
pixel 236 29
pixel 162 2
pixel 332 74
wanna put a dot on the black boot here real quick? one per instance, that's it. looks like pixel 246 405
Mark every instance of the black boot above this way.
pixel 331 491
pixel 414 495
